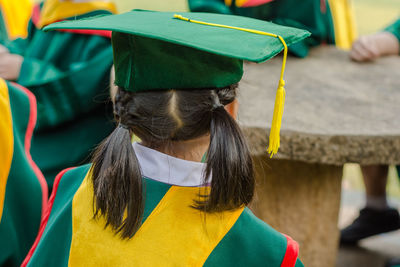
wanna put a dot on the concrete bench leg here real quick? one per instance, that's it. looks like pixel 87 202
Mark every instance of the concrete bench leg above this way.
pixel 301 200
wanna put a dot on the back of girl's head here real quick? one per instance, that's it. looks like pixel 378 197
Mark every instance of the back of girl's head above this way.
pixel 159 118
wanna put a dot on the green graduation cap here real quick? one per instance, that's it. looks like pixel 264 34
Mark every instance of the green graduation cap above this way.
pixel 164 50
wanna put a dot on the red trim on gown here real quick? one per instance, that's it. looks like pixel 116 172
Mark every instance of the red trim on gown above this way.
pixel 36 17
pixel 292 251
pixel 27 144
pixel 46 217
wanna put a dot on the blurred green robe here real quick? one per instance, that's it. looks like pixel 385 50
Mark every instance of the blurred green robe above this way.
pixel 23 189
pixel 68 72
pixel 3 29
pixel 312 15
pixel 14 16
pixel 394 29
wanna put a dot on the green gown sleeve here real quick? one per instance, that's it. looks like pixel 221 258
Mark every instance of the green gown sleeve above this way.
pixel 3 30
pixel 299 263
pixel 66 72
pixel 19 45
pixel 24 192
pixel 394 29
pixel 262 12
pixel 212 6
pixel 312 15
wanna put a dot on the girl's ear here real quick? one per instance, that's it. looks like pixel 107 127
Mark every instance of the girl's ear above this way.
pixel 232 108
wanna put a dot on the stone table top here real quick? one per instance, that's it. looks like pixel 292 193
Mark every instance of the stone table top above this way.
pixel 336 110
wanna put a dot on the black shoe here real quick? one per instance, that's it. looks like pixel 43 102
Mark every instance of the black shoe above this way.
pixel 393 263
pixel 370 222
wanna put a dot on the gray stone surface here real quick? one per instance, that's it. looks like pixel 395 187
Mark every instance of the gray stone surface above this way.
pixel 336 111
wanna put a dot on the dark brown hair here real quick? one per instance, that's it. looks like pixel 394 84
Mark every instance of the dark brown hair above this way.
pixel 159 117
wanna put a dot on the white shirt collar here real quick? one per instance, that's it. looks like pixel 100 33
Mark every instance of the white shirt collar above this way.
pixel 167 169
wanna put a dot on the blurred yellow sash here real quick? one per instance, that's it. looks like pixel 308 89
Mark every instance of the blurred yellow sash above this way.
pixel 56 10
pixel 174 234
pixel 6 141
pixel 16 14
pixel 343 22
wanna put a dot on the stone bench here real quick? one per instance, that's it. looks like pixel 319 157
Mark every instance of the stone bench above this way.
pixel 336 111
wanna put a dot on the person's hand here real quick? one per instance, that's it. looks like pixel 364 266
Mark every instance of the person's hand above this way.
pixel 10 66
pixel 370 47
pixel 3 49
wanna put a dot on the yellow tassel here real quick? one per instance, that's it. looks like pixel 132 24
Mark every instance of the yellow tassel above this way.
pixel 274 139
pixel 274 135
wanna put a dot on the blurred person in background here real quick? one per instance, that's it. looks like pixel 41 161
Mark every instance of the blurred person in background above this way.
pixel 14 17
pixel 373 46
pixel 23 189
pixel 329 22
pixel 177 198
pixel 68 71
pixel 377 216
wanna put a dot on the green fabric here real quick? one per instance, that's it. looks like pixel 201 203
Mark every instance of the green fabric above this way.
pixel 69 75
pixel 71 143
pixel 154 191
pixel 218 6
pixel 394 29
pixel 299 263
pixel 54 246
pixel 19 45
pixel 23 200
pixel 212 6
pixel 3 29
pixel 250 242
pixel 156 51
pixel 308 15
pixel 57 67
pixel 154 64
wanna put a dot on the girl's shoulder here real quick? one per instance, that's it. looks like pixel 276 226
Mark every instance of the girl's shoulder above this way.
pixel 252 242
pixel 52 243
pixel 232 238
pixel 68 181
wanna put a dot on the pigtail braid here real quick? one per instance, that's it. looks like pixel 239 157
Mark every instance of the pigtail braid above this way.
pixel 117 181
pixel 229 162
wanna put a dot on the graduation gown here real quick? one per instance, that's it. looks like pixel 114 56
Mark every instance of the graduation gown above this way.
pixel 172 233
pixel 394 29
pixel 312 15
pixel 23 189
pixel 3 29
pixel 69 74
pixel 14 17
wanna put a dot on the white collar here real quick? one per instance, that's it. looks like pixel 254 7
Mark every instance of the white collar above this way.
pixel 167 169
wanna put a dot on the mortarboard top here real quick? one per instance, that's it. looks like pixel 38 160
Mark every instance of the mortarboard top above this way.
pixel 135 33
pixel 162 50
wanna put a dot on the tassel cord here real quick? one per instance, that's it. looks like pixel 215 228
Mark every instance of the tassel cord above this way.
pixel 274 136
